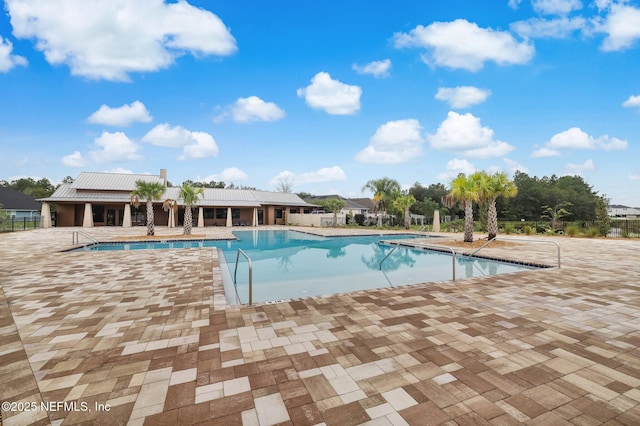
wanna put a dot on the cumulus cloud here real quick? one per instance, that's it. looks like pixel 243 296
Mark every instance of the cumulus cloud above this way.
pixel 555 7
pixel 462 96
pixel 576 138
pixel 455 167
pixel 577 169
pixel 229 174
pixel 378 69
pixel 325 174
pixel 122 171
pixel 514 166
pixel 115 147
pixel 121 116
pixel 331 95
pixel 7 59
pixel 633 101
pixel 633 177
pixel 74 160
pixel 463 133
pixel 251 109
pixel 548 28
pixel 462 44
pixel 111 39
pixel 194 144
pixel 394 142
pixel 622 26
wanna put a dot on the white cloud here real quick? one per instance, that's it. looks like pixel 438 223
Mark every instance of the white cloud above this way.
pixel 228 175
pixel 248 110
pixel 514 4
pixel 394 142
pixel 325 174
pixel 455 167
pixel 195 144
pixel 115 147
pixel 548 28
pixel 7 59
pixel 462 44
pixel 462 96
pixel 576 138
pixel 514 166
pixel 121 116
pixel 331 95
pixel 378 69
pixel 111 39
pixel 633 177
pixel 633 101
pixel 555 7
pixel 465 134
pixel 74 160
pixel 576 169
pixel 622 26
pixel 122 171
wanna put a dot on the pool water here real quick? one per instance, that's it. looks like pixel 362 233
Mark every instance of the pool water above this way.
pixel 290 264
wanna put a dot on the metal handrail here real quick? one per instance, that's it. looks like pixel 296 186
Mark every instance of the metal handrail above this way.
pixel 518 239
pixel 235 272
pixel 432 246
pixel 75 237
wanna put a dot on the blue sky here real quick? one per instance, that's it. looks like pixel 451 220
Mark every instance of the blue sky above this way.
pixel 325 95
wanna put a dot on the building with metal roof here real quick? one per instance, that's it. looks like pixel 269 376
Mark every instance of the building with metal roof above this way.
pixel 104 199
pixel 18 205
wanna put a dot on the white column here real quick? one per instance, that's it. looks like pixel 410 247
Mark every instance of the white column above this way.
pixel 87 221
pixel 126 221
pixel 200 217
pixel 255 217
pixel 171 223
pixel 229 220
pixel 45 216
pixel 436 221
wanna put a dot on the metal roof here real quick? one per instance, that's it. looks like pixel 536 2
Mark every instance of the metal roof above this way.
pixel 112 181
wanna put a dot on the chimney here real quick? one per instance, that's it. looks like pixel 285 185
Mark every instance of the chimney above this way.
pixel 163 175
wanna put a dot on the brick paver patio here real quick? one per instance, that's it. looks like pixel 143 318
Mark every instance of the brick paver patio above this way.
pixel 143 337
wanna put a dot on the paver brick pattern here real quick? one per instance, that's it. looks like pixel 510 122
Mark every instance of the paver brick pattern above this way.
pixel 147 334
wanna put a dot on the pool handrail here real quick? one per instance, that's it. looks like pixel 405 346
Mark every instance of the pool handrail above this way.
pixel 75 237
pixel 438 247
pixel 235 272
pixel 518 239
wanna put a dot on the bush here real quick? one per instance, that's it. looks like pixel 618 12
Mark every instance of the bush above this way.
pixel 528 230
pixel 359 219
pixel 572 230
pixel 509 228
pixel 592 232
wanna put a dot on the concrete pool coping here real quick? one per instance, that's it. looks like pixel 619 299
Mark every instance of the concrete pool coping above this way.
pixel 141 333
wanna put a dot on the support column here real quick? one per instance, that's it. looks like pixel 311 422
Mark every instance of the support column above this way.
pixel 436 221
pixel 254 221
pixel 229 219
pixel 126 221
pixel 200 217
pixel 87 220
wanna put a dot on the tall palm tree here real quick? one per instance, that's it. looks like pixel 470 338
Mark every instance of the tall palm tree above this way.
pixel 384 190
pixel 464 191
pixel 190 196
pixel 491 187
pixel 147 191
pixel 404 203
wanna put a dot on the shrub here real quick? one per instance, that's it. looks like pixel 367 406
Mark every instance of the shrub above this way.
pixel 528 230
pixel 359 219
pixel 572 230
pixel 592 232
pixel 509 228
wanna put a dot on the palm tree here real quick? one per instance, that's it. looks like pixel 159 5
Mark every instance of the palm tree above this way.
pixel 334 205
pixel 403 203
pixel 491 187
pixel 190 196
pixel 384 190
pixel 464 191
pixel 147 191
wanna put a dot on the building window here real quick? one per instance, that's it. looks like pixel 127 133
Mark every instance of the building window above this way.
pixel 221 213
pixel 294 210
pixel 278 213
pixel 98 214
pixel 208 213
pixel 235 213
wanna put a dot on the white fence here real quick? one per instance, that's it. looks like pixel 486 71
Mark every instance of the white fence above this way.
pixel 319 220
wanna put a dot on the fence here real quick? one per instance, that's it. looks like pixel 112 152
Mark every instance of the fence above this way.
pixel 618 228
pixel 11 224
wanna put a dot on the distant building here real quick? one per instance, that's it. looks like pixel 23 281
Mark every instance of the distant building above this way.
pixel 617 210
pixel 19 205
pixel 355 206
pixel 104 199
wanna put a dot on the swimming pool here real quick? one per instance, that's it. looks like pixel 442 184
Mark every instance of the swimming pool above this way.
pixel 290 264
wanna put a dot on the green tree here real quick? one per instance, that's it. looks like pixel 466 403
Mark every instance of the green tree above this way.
pixel 41 188
pixel 556 212
pixel 464 191
pixel 384 190
pixel 147 191
pixel 333 205
pixel 491 187
pixel 189 196
pixel 602 215
pixel 404 203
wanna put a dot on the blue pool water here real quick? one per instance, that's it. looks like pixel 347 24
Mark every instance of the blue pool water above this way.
pixel 290 264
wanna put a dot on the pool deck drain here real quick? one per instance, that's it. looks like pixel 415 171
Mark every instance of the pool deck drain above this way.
pixel 141 332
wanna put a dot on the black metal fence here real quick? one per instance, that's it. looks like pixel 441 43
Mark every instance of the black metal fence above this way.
pixel 11 224
pixel 618 228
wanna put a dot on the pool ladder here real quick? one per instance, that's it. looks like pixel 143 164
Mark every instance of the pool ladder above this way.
pixel 235 273
pixel 75 238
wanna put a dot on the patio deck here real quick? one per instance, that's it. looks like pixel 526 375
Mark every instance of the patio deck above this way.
pixel 142 334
